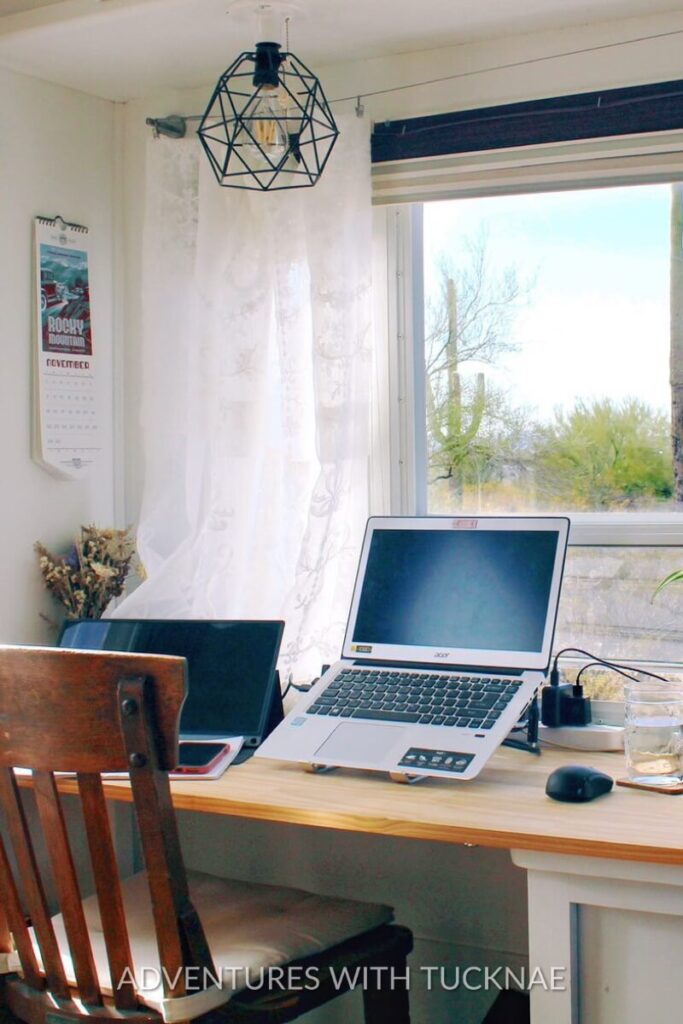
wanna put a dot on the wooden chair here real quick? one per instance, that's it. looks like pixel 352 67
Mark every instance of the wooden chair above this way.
pixel 88 713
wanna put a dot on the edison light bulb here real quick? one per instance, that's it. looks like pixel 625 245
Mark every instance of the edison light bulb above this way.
pixel 268 132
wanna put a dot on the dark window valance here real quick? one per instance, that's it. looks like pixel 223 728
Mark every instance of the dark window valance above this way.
pixel 632 111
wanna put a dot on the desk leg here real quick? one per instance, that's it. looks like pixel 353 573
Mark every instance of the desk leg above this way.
pixel 553 961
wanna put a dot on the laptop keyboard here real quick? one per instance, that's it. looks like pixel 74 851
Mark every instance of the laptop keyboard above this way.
pixel 466 701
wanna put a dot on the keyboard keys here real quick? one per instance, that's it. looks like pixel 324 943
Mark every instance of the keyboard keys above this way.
pixel 387 716
pixel 430 698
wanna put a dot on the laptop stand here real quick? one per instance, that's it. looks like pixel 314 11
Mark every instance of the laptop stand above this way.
pixel 527 724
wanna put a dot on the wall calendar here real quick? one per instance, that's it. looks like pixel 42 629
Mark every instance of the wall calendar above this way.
pixel 67 430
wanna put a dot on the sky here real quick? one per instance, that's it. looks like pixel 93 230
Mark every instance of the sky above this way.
pixel 595 322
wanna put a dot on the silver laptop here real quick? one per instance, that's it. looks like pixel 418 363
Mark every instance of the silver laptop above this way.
pixel 449 636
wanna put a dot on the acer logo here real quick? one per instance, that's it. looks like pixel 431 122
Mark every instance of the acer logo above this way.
pixel 440 654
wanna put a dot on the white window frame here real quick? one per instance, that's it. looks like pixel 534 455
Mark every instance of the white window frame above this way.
pixel 400 190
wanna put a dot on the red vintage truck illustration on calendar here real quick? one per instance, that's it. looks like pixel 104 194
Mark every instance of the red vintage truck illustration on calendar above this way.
pixel 65 301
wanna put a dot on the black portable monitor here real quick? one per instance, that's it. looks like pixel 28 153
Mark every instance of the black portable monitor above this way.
pixel 232 682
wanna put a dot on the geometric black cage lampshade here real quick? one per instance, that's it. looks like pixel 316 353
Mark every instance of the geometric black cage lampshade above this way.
pixel 268 125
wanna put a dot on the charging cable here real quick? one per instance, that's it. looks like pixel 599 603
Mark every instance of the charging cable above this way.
pixel 303 687
pixel 593 664
pixel 597 660
pixel 566 703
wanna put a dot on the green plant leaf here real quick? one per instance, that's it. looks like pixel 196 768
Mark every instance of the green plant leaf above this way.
pixel 673 577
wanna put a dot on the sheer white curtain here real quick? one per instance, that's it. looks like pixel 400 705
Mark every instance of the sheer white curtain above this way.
pixel 254 414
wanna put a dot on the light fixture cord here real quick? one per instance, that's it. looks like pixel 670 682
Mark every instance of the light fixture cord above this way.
pixel 285 90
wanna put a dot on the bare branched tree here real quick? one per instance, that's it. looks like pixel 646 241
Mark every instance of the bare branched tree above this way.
pixel 468 328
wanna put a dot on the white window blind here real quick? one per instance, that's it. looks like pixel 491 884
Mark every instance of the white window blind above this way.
pixel 622 160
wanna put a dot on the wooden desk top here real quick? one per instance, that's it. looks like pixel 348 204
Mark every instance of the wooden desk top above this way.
pixel 505 807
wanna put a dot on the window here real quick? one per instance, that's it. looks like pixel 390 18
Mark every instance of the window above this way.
pixel 532 375
pixel 546 327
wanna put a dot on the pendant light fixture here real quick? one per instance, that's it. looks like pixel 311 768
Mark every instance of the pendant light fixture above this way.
pixel 268 125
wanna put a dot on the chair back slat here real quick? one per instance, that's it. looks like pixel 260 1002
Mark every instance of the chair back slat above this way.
pixel 64 873
pixel 107 886
pixel 32 884
pixel 180 935
pixel 17 922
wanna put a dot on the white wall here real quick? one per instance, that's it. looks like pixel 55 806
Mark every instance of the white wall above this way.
pixel 56 156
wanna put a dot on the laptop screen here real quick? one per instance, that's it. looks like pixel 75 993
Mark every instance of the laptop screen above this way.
pixel 230 665
pixel 480 592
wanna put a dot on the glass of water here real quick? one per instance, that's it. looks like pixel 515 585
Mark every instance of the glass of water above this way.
pixel 653 736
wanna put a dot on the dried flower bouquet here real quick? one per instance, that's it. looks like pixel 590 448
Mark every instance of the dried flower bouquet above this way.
pixel 91 574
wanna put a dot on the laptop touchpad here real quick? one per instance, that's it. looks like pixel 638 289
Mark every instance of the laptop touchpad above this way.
pixel 360 743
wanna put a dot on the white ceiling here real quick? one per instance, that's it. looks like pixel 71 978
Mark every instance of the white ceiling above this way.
pixel 120 49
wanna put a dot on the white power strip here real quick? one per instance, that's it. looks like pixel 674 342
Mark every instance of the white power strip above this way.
pixel 583 737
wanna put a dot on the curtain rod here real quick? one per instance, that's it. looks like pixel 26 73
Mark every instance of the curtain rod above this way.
pixel 175 125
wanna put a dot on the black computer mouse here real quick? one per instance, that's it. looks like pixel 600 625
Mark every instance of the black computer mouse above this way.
pixel 576 783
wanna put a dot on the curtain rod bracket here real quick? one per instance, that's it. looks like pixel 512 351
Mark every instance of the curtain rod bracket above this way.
pixel 174 126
